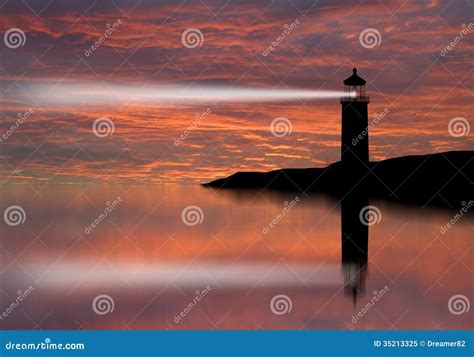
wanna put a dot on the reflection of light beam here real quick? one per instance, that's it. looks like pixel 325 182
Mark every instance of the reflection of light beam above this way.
pixel 89 93
pixel 185 275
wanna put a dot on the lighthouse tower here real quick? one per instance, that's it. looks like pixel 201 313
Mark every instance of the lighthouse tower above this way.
pixel 355 136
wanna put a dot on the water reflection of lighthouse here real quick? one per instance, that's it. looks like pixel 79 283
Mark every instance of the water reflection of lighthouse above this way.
pixel 355 162
pixel 354 243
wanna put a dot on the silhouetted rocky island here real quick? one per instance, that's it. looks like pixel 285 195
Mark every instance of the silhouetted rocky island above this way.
pixel 442 179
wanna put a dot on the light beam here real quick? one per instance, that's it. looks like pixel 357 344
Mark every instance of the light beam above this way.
pixel 186 94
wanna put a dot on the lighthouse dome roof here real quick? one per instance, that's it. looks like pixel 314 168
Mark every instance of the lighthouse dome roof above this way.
pixel 354 80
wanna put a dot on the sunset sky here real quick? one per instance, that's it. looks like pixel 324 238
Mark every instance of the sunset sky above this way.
pixel 410 75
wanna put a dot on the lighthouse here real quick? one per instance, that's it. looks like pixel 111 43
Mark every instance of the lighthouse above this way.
pixel 354 134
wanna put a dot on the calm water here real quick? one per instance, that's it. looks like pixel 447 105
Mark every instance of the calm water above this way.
pixel 152 265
